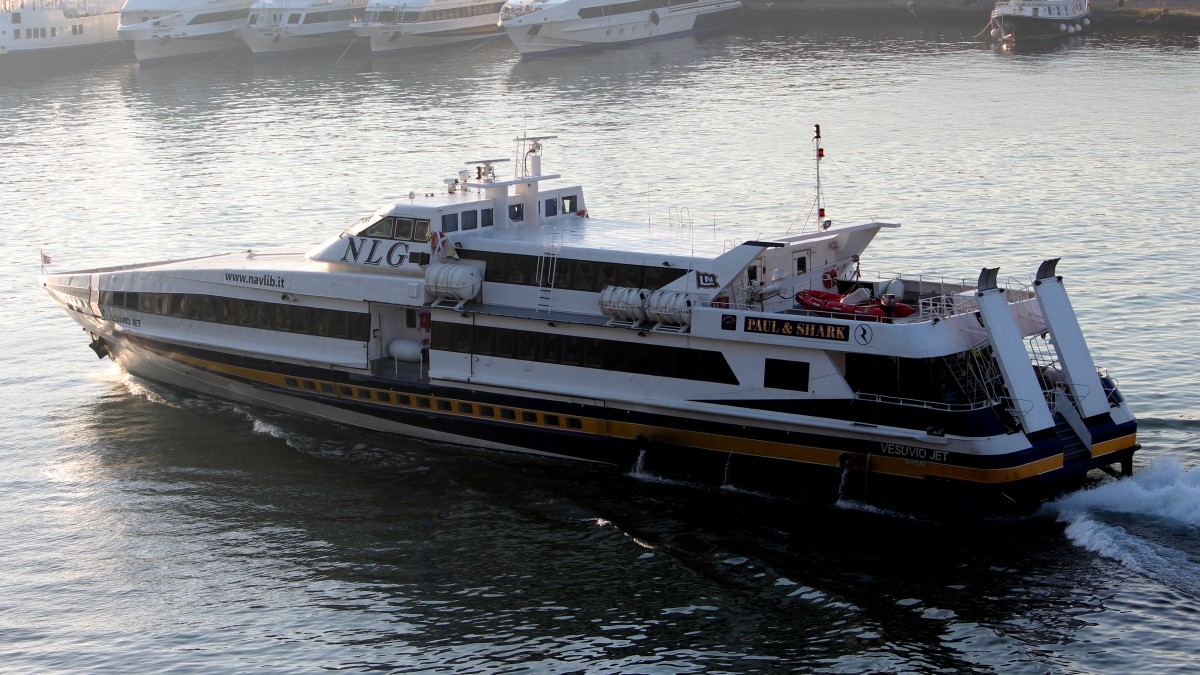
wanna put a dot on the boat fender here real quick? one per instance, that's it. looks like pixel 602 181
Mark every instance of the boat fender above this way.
pixel 405 350
pixel 829 279
pixel 582 213
pixel 654 17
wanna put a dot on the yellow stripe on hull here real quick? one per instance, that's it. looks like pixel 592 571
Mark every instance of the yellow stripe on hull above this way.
pixel 1115 445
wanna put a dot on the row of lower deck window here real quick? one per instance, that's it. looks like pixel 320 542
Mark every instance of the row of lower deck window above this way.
pixel 31 33
pixel 434 404
pixel 287 318
pixel 629 7
pixel 415 16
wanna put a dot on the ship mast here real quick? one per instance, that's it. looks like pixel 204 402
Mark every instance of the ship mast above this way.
pixel 820 154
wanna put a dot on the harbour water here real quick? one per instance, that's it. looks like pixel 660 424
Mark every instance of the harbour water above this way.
pixel 146 529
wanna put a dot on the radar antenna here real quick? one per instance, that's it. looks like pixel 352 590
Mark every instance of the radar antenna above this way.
pixel 484 171
pixel 534 145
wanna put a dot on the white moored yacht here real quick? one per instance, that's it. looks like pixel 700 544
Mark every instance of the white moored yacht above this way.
pixel 1021 20
pixel 498 314
pixel 395 25
pixel 543 26
pixel 278 26
pixel 166 29
pixel 31 31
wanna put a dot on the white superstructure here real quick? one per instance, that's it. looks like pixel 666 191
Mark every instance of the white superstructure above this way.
pixel 396 25
pixel 275 26
pixel 543 26
pixel 42 27
pixel 165 29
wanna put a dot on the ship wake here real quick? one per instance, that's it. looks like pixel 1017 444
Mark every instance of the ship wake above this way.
pixel 1147 523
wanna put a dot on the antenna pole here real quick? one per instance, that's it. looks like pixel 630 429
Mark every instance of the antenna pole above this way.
pixel 820 152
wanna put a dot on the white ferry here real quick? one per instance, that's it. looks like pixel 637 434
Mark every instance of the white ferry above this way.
pixel 542 26
pixel 173 29
pixel 34 30
pixel 1020 20
pixel 282 26
pixel 500 314
pixel 391 26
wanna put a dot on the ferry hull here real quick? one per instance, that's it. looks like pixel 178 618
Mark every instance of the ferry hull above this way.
pixel 386 41
pixel 160 50
pixel 265 43
pixel 34 63
pixel 790 461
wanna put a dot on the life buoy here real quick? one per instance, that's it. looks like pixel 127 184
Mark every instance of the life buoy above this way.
pixel 829 279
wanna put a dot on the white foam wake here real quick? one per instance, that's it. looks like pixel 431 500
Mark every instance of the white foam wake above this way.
pixel 1164 489
pixel 1161 499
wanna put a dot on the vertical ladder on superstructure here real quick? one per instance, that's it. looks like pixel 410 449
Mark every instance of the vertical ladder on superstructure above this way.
pixel 546 272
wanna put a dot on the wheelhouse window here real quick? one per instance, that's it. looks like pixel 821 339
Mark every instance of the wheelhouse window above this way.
pixel 470 220
pixel 450 222
pixel 570 203
pixel 516 212
pixel 486 216
pixel 293 18
pixel 391 227
pixel 382 229
pixel 404 228
pixel 420 230
pixel 552 207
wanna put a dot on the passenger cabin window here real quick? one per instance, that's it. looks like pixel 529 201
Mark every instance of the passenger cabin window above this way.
pixel 470 220
pixel 552 207
pixel 516 212
pixel 293 18
pixel 802 263
pixel 485 217
pixel 450 222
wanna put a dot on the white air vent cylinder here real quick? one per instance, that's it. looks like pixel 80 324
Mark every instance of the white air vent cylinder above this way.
pixel 405 350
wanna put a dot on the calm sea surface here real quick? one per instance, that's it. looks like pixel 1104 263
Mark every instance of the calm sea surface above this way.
pixel 145 529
